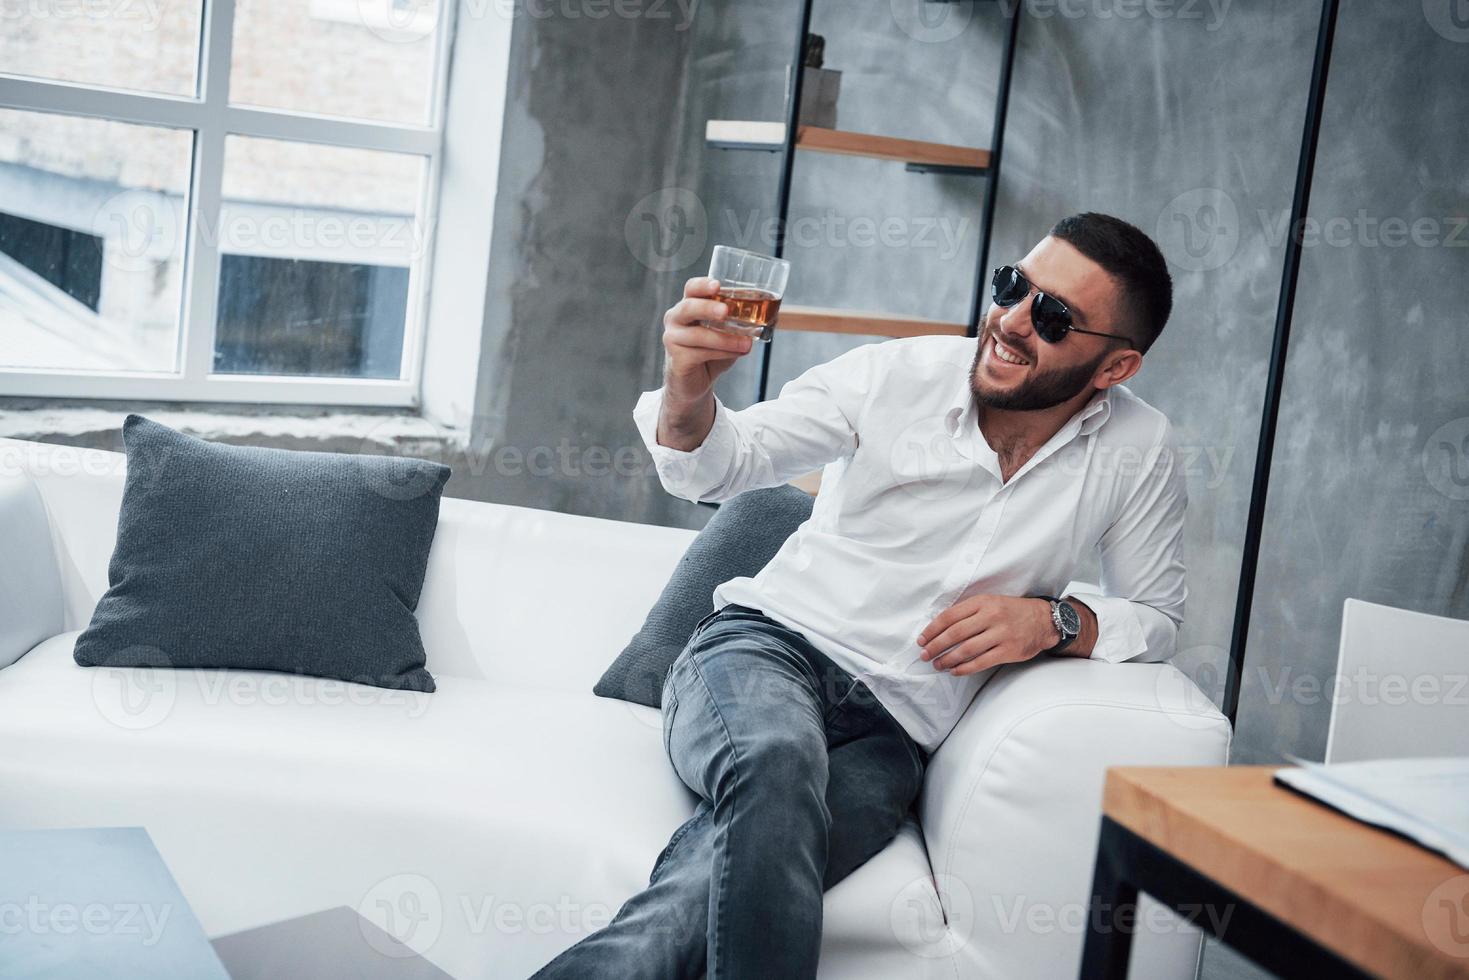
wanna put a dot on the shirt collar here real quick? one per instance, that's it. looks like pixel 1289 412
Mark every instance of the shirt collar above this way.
pixel 1097 411
pixel 961 417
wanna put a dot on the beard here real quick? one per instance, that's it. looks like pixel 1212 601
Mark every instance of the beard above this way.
pixel 1042 390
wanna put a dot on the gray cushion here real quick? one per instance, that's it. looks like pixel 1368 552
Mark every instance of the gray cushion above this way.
pixel 267 559
pixel 740 539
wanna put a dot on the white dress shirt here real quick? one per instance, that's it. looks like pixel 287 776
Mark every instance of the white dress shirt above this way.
pixel 912 515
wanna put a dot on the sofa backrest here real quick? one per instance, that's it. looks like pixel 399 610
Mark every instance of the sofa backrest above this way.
pixel 539 598
pixel 513 595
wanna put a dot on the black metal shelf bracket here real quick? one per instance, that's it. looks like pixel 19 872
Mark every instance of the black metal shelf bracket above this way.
pixel 954 169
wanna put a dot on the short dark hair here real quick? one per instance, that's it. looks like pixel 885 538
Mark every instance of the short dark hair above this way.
pixel 1133 259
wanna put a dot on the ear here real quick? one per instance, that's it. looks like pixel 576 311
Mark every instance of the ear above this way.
pixel 1117 368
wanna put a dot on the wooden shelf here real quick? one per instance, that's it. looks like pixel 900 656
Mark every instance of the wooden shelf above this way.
pixel 822 320
pixel 738 134
pixel 891 148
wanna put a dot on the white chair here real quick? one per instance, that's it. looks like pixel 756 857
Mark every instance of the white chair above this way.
pixel 1402 685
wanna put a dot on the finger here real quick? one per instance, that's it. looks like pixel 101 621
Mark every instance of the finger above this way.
pixel 938 624
pixel 962 609
pixel 701 286
pixel 971 648
pixel 994 658
pixel 692 356
pixel 687 312
pixel 708 339
pixel 957 632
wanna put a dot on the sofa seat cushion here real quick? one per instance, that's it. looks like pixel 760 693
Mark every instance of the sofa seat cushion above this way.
pixel 485 825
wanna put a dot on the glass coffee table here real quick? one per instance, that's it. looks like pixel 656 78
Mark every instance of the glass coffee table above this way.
pixel 99 903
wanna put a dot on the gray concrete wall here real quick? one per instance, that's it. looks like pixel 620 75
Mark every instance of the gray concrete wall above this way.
pixel 1369 492
pixel 1190 129
pixel 570 324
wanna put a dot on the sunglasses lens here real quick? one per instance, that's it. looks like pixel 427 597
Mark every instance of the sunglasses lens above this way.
pixel 1008 287
pixel 1051 318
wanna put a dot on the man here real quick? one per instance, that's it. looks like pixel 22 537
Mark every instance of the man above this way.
pixel 965 484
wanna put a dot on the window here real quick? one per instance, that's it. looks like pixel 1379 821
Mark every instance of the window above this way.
pixel 219 199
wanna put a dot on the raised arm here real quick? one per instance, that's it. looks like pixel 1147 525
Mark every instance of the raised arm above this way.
pixel 705 452
pixel 695 357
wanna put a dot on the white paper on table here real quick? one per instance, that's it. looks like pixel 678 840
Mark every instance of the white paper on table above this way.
pixel 1425 800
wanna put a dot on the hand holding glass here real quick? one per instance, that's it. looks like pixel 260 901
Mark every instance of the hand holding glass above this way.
pixel 751 286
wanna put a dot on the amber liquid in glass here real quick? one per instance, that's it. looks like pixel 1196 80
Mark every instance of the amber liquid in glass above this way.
pixel 752 311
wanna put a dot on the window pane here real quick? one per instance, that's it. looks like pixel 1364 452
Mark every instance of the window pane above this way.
pixel 144 45
pixel 367 59
pixel 91 242
pixel 317 244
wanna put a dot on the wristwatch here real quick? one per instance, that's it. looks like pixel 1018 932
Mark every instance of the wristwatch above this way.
pixel 1067 621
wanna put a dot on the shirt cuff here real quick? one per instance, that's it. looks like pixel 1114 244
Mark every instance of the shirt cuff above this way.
pixel 684 473
pixel 1119 632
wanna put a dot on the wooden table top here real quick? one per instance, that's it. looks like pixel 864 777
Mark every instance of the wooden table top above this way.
pixel 1375 899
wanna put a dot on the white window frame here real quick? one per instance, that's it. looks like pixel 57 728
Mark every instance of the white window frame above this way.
pixel 211 117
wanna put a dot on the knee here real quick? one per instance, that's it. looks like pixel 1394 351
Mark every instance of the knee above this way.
pixel 784 762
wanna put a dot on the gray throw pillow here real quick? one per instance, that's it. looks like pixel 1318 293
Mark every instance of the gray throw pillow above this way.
pixel 267 559
pixel 740 539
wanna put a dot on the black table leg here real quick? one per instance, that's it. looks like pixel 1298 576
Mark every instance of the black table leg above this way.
pixel 1112 911
pixel 1127 864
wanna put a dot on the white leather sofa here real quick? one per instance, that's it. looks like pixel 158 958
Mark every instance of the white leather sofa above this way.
pixel 495 822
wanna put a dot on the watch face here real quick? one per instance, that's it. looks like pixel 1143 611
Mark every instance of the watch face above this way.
pixel 1070 619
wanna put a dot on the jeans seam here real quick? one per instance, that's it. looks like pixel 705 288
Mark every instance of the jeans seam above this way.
pixel 670 708
pixel 716 919
pixel 678 835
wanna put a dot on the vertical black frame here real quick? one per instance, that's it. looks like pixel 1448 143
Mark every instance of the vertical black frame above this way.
pixel 992 177
pixel 1275 381
pixel 787 166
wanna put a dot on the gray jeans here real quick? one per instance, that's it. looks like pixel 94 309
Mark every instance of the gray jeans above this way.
pixel 802 776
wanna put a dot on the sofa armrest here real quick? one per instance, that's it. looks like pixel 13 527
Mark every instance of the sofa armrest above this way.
pixel 32 607
pixel 1011 808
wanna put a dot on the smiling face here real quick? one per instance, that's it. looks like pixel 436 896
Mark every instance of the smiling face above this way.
pixel 1016 370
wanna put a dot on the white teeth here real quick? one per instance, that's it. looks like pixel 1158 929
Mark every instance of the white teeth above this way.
pixel 1006 356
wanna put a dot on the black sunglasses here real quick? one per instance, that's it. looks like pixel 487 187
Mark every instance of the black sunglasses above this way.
pixel 1050 316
